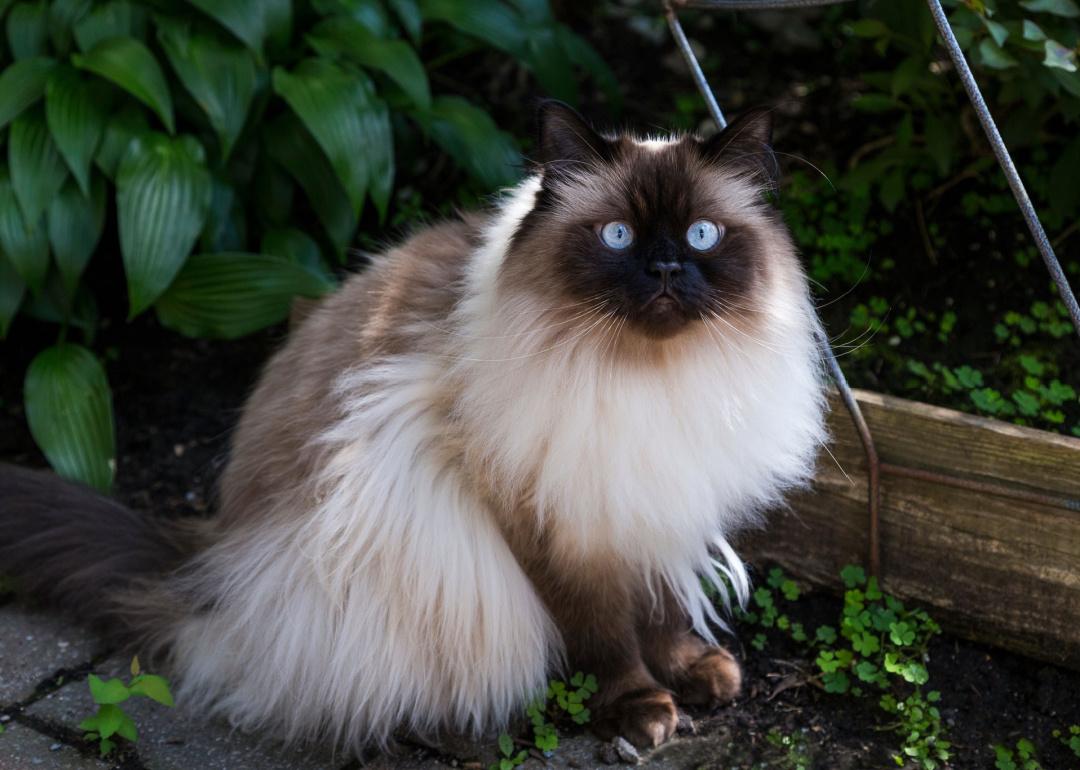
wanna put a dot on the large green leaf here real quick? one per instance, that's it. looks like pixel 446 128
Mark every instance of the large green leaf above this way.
pixel 994 56
pixel 55 305
pixel 22 84
pixel 162 199
pixel 470 136
pixel 123 128
pixel 221 78
pixel 69 409
pixel 232 294
pixel 396 58
pixel 299 248
pixel 289 144
pixel 381 154
pixel 130 65
pixel 254 22
pixel 340 110
pixel 37 170
pixel 492 21
pixel 12 289
pixel 408 13
pixel 294 245
pixel 75 222
pixel 117 18
pixel 549 61
pixel 273 191
pixel 76 111
pixel 1058 55
pixel 63 16
pixel 371 13
pixel 583 55
pixel 225 228
pixel 1066 8
pixel 26 246
pixel 28 29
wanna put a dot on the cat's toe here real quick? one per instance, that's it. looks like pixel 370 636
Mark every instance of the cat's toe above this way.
pixel 646 718
pixel 712 679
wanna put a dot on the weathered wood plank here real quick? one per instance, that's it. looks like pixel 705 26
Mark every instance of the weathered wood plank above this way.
pixel 993 568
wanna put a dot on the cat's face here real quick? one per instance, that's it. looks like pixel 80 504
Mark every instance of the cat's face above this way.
pixel 658 234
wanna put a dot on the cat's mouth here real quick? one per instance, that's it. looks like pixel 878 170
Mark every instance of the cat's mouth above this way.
pixel 663 299
pixel 663 314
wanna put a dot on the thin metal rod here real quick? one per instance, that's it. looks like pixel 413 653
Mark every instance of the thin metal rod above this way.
pixel 695 68
pixel 986 487
pixel 872 464
pixel 754 5
pixel 1006 162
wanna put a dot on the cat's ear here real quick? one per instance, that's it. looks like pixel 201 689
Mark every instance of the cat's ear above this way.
pixel 746 145
pixel 565 140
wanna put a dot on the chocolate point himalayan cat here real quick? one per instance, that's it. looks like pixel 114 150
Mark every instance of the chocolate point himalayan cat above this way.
pixel 511 447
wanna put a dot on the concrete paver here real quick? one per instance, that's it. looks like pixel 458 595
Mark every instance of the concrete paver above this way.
pixel 21 748
pixel 33 646
pixel 169 739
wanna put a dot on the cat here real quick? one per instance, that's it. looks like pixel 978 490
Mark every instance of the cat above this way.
pixel 512 446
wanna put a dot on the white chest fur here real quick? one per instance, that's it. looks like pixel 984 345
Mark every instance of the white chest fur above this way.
pixel 652 464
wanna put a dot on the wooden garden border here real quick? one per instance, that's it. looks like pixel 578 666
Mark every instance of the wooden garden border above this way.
pixel 979 521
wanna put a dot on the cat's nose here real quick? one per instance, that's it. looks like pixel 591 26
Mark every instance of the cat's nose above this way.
pixel 664 270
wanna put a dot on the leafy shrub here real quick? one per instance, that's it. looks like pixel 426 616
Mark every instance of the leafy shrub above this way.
pixel 1025 54
pixel 232 148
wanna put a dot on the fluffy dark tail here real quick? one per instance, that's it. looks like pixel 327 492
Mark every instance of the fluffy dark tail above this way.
pixel 72 546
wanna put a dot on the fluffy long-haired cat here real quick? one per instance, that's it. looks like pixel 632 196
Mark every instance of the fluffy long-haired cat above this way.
pixel 514 445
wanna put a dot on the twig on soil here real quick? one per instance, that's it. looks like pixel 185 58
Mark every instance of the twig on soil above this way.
pixel 869 147
pixel 1065 234
pixel 928 244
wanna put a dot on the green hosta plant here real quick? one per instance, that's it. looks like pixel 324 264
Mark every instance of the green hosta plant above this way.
pixel 232 147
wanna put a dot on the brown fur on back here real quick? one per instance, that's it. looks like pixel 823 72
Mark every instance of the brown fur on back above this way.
pixel 381 311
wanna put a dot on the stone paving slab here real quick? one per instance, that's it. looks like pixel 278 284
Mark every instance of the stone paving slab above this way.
pixel 169 739
pixel 33 646
pixel 21 748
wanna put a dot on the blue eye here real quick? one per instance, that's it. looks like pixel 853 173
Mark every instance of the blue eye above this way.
pixel 617 235
pixel 703 234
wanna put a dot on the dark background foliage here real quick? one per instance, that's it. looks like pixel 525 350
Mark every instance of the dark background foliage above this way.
pixel 191 167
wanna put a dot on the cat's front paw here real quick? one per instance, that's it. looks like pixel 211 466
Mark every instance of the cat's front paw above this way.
pixel 713 678
pixel 646 718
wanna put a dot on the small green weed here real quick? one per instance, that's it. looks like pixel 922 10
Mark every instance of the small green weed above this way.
pixel 796 756
pixel 111 720
pixel 508 759
pixel 879 646
pixel 1070 738
pixel 1023 758
pixel 560 702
